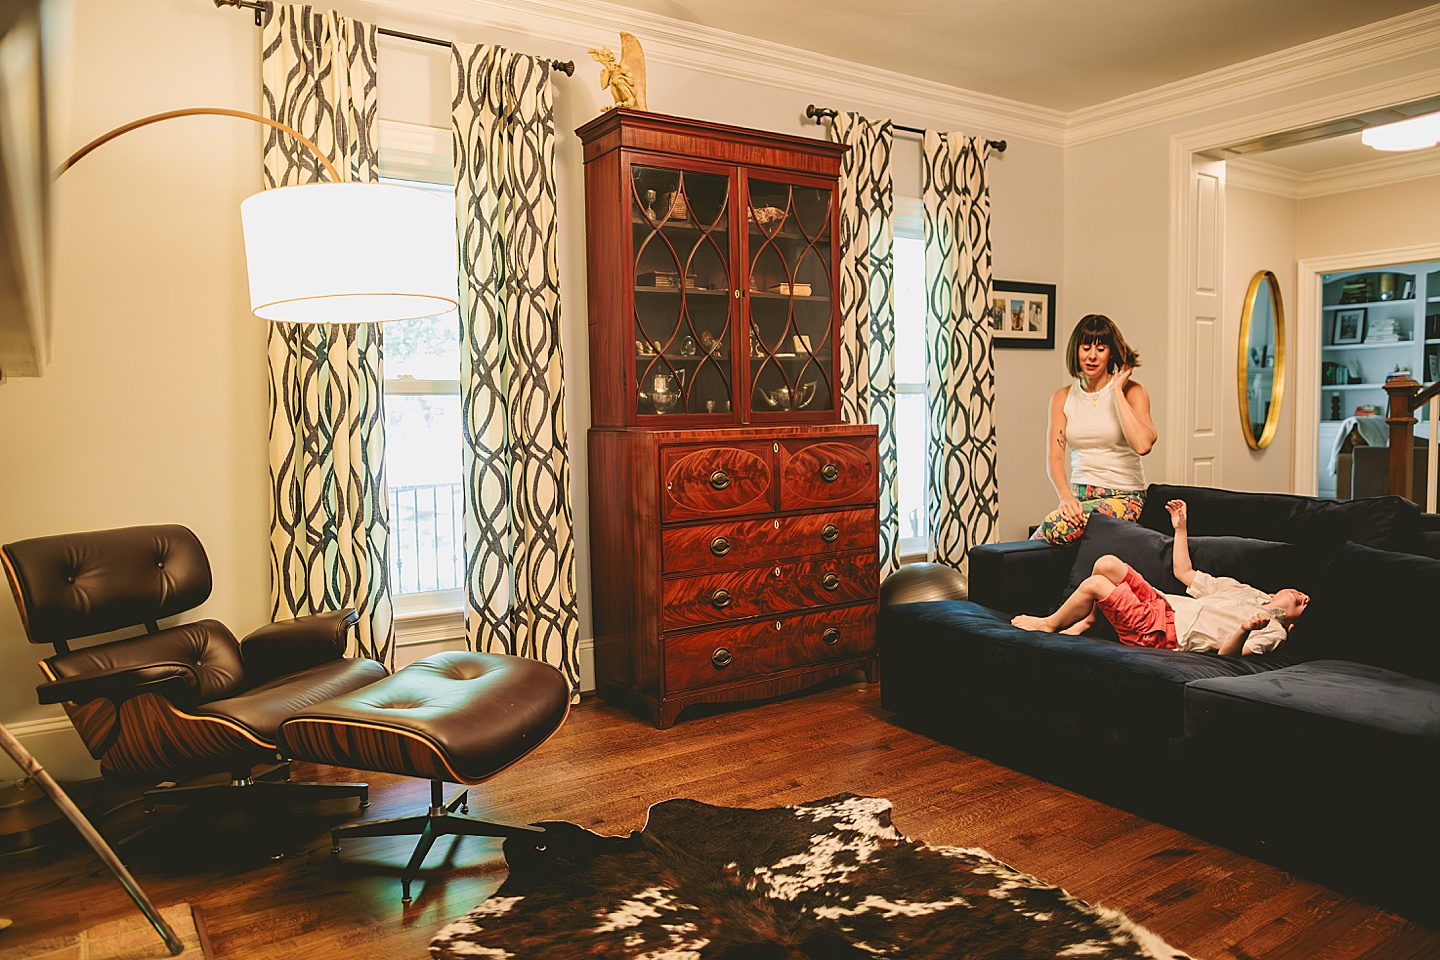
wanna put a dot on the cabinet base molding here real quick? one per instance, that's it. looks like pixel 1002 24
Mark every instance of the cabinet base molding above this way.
pixel 664 710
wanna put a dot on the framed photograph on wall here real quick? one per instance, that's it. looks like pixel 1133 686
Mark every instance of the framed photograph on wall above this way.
pixel 1022 314
pixel 1349 326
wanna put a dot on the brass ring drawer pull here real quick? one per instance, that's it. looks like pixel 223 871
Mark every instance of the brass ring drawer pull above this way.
pixel 830 581
pixel 719 479
pixel 722 657
pixel 720 546
pixel 720 599
pixel 829 472
pixel 831 636
pixel 829 533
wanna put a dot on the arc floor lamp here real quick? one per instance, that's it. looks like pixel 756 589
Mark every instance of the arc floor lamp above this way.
pixel 384 252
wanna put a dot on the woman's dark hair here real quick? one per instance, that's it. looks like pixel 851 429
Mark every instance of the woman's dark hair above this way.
pixel 1098 328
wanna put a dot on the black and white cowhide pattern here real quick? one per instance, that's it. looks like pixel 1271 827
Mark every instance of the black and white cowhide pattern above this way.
pixel 830 879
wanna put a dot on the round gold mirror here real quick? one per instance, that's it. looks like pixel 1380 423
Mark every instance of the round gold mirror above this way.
pixel 1262 360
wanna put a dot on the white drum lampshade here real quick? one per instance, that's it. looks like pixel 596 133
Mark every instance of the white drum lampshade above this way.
pixel 349 253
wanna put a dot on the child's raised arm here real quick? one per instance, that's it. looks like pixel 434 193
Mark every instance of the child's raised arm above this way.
pixel 1180 561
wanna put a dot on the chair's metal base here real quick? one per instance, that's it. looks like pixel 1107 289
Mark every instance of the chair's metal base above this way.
pixel 440 820
pixel 271 785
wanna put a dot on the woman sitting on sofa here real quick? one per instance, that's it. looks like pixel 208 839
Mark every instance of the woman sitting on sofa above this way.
pixel 1103 419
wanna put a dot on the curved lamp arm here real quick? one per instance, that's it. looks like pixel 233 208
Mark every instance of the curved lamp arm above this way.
pixel 388 254
pixel 105 138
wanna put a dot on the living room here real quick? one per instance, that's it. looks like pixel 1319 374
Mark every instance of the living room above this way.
pixel 152 407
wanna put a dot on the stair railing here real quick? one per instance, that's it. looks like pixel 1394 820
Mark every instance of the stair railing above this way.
pixel 1406 397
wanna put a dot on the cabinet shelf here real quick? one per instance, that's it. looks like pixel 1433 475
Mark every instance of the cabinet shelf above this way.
pixel 767 295
pixel 1370 303
pixel 1407 344
pixel 688 291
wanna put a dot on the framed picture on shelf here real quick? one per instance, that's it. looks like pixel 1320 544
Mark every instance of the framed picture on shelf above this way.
pixel 1349 326
pixel 1022 314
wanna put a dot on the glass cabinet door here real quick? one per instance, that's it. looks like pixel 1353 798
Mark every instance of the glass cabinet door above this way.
pixel 680 220
pixel 791 349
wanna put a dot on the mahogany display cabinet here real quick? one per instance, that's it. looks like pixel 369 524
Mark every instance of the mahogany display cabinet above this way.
pixel 733 517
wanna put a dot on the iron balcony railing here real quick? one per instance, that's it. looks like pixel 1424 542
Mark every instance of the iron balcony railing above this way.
pixel 426 537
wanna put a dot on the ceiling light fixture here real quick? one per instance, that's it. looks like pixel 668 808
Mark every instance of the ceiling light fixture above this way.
pixel 1417 133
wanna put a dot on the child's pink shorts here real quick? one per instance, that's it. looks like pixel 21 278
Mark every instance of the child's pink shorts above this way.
pixel 1139 613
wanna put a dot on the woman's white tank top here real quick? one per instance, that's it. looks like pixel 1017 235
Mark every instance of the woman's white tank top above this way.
pixel 1099 454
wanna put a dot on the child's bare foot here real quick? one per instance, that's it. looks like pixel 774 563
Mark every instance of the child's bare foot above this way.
pixel 1026 622
pixel 1076 629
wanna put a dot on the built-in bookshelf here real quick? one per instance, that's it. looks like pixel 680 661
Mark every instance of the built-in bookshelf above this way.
pixel 1376 323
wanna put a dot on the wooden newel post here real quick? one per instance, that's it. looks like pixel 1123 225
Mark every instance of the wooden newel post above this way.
pixel 1402 392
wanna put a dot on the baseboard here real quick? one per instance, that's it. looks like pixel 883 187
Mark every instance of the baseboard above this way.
pixel 53 742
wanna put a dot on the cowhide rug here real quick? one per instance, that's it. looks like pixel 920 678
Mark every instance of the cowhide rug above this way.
pixel 830 879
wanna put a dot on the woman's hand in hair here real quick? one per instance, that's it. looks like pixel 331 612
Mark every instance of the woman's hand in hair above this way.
pixel 1120 379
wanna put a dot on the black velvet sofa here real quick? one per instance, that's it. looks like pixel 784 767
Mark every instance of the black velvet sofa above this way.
pixel 1323 756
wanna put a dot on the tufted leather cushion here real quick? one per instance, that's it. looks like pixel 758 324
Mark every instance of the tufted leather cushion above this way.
pixel 263 709
pixel 83 584
pixel 205 644
pixel 452 716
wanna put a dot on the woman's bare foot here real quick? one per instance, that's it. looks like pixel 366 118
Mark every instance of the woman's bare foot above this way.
pixel 1026 622
pixel 1076 629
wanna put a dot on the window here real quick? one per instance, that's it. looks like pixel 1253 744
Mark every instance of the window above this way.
pixel 912 406
pixel 423 440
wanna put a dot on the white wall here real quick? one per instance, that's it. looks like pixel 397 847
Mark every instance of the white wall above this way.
pixel 1381 218
pixel 154 406
pixel 1259 235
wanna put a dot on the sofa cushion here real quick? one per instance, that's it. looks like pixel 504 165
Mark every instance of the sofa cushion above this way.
pixel 1264 564
pixel 1319 703
pixel 1376 607
pixel 1389 523
pixel 1097 688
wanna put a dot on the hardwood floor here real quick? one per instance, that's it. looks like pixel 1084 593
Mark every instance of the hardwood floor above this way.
pixel 606 767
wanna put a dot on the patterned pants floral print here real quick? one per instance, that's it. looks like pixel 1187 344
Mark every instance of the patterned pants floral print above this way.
pixel 1120 504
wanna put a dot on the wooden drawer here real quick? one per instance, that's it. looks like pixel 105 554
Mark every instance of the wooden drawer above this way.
pixel 699 482
pixel 768 590
pixel 823 473
pixel 743 543
pixel 726 654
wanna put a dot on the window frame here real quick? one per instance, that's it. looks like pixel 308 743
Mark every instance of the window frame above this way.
pixel 418 154
pixel 909 224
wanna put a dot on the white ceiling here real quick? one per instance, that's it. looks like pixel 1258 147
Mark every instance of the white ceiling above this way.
pixel 1060 54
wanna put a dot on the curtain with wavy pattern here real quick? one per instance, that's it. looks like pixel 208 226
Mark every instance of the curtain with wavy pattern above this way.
pixel 329 531
pixel 867 302
pixel 955 192
pixel 519 537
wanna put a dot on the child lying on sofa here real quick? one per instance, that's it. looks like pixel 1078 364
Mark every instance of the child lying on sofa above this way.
pixel 1219 613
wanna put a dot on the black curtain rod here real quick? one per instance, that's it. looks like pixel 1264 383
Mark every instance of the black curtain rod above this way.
pixel 261 7
pixel 827 113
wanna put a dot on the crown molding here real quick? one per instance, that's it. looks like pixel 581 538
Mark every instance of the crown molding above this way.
pixel 721 53
pixel 1397 38
pixel 1271 178
pixel 846 84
